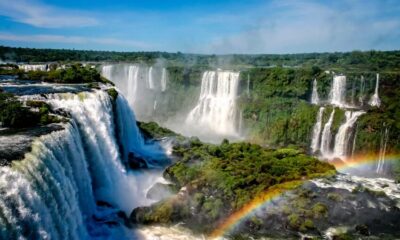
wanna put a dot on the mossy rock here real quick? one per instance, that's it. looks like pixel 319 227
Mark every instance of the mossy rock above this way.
pixel 112 93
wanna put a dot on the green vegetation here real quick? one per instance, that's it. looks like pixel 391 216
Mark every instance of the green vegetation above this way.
pixel 153 131
pixel 76 73
pixel 220 179
pixel 277 112
pixel 112 93
pixel 371 60
pixel 13 114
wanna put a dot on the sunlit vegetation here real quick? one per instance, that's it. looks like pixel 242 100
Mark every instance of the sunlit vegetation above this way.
pixel 371 60
pixel 220 179
pixel 13 114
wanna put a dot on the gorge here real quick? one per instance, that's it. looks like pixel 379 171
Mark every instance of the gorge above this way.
pixel 254 152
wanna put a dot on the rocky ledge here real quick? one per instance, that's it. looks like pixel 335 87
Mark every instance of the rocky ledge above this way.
pixel 14 143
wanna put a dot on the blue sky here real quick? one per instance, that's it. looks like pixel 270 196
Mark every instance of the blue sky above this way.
pixel 218 26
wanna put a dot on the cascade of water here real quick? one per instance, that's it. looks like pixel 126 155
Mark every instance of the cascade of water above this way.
pixel 163 80
pixel 354 143
pixel 133 75
pixel 130 137
pixel 52 193
pixel 316 136
pixel 106 71
pixel 315 96
pixel 362 91
pixel 326 137
pixel 375 101
pixel 216 108
pixel 150 81
pixel 47 195
pixel 338 91
pixel 33 67
pixel 382 151
pixel 342 140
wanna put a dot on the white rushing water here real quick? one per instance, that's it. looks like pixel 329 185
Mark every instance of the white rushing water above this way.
pixel 326 137
pixel 47 195
pixel 33 67
pixel 375 101
pixel 338 91
pixel 132 87
pixel 350 183
pixel 316 136
pixel 52 193
pixel 142 85
pixel 315 96
pixel 164 80
pixel 216 108
pixel 362 91
pixel 382 151
pixel 106 71
pixel 342 139
pixel 150 80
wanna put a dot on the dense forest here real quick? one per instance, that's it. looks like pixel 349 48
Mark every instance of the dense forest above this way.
pixel 371 60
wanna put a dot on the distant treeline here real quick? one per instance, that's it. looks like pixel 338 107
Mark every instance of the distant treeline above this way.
pixel 371 60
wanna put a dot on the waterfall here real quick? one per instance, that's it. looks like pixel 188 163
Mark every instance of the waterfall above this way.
pixel 52 193
pixel 150 81
pixel 342 140
pixel 382 151
pixel 375 101
pixel 133 75
pixel 47 196
pixel 142 86
pixel 326 137
pixel 216 107
pixel 106 71
pixel 163 80
pixel 33 67
pixel 362 91
pixel 316 136
pixel 131 138
pixel 314 96
pixel 338 91
pixel 353 147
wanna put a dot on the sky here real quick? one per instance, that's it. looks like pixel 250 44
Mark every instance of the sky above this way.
pixel 199 26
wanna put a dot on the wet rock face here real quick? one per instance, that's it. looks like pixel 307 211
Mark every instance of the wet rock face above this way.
pixel 319 211
pixel 136 162
pixel 14 143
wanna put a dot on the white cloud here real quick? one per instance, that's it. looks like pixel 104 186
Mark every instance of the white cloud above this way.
pixel 40 15
pixel 306 26
pixel 41 38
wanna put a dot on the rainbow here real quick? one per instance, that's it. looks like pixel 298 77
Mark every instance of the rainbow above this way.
pixel 261 200
pixel 363 160
pixel 276 191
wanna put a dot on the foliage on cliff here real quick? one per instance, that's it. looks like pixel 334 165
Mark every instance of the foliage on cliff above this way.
pixel 219 179
pixel 76 73
pixel 13 114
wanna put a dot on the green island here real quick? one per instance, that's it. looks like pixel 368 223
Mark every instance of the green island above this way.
pixel 216 180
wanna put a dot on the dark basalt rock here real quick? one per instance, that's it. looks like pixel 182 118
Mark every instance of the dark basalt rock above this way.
pixel 136 162
pixel 104 204
pixel 14 143
pixel 113 218
pixel 138 215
